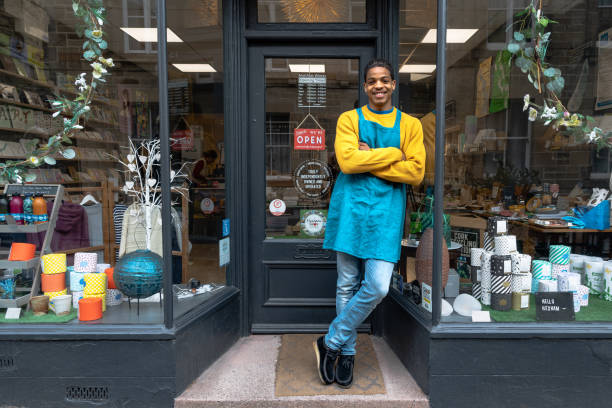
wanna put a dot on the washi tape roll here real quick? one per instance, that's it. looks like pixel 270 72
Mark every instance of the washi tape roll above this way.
pixel 110 273
pixel 485 272
pixel 593 278
pixel 558 269
pixel 475 274
pixel 541 269
pixel 477 290
pixel 113 297
pixel 97 295
pixel 559 254
pixel 524 263
pixel 501 301
pixel 577 262
pixel 501 265
pixel 85 262
pixel 53 263
pixel 77 281
pixel 94 283
pixel 489 243
pixel 101 267
pixel 57 293
pixel 497 226
pixel 485 297
pixel 568 282
pixel 583 293
pixel 505 244
pixel 76 296
pixel 90 309
pixel 501 284
pixel 476 256
pixel 547 285
pixel 55 282
pixel 607 289
pixel 21 251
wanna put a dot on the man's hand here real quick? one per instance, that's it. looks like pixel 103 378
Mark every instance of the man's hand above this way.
pixel 363 146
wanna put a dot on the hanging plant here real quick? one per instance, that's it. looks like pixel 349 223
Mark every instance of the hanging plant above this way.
pixel 92 14
pixel 528 48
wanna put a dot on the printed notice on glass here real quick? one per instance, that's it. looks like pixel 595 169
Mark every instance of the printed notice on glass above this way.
pixel 312 90
pixel 604 71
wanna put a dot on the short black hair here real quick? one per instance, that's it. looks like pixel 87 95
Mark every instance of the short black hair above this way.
pixel 378 62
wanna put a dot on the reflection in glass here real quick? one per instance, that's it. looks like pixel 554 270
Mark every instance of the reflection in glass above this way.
pixel 311 11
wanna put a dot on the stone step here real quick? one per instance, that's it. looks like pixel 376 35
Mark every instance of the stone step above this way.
pixel 245 377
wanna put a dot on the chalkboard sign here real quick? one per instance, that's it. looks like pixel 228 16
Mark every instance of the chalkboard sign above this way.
pixel 554 306
pixel 32 189
pixel 467 237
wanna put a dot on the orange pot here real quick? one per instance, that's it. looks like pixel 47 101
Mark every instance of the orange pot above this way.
pixel 54 282
pixel 90 309
pixel 21 251
pixel 110 281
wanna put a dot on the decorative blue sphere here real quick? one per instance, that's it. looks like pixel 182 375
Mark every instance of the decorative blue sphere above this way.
pixel 139 274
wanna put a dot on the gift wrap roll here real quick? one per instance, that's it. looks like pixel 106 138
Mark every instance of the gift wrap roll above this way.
pixel 501 284
pixel 94 283
pixel 594 279
pixel 497 226
pixel 559 254
pixel 558 269
pixel 76 296
pixel 54 282
pixel 56 294
pixel 90 309
pixel 101 267
pixel 113 297
pixel 521 282
pixel 489 243
pixel 607 289
pixel 501 265
pixel 477 290
pixel 516 267
pixel 53 263
pixel 547 285
pixel 97 295
pixel 520 301
pixel 485 272
pixel 501 301
pixel 524 263
pixel 541 269
pixel 476 256
pixel 85 262
pixel 583 293
pixel 505 244
pixel 475 274
pixel 77 281
pixel 568 282
pixel 485 297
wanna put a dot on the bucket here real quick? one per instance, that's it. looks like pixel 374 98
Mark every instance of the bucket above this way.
pixel 40 305
pixel 21 251
pixel 61 305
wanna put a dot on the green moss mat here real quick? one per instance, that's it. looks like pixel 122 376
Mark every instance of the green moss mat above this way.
pixel 28 317
pixel 598 310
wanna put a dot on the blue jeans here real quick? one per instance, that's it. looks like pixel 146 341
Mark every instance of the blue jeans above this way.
pixel 353 303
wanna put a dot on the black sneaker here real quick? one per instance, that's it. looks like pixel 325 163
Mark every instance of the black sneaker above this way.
pixel 326 359
pixel 344 371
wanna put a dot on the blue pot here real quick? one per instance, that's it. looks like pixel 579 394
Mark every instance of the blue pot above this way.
pixel 139 274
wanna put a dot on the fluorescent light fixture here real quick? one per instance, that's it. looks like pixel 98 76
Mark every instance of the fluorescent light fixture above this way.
pixel 453 35
pixel 418 77
pixel 307 68
pixel 417 69
pixel 194 67
pixel 145 34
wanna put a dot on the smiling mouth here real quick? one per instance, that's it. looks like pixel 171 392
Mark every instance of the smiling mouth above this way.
pixel 379 94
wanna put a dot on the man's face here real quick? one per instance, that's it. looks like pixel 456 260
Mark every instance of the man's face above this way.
pixel 379 86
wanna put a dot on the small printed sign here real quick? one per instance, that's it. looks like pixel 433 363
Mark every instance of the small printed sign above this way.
pixel 313 178
pixel 207 205
pixel 277 207
pixel 225 227
pixel 481 316
pixel 313 222
pixel 426 296
pixel 309 139
pixel 224 251
pixel 13 313
pixel 554 306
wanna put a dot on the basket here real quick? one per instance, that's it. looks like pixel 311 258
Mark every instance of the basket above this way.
pixel 424 259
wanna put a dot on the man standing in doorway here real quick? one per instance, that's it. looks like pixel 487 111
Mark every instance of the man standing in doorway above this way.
pixel 379 150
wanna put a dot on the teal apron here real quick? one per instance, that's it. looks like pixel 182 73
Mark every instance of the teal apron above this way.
pixel 366 213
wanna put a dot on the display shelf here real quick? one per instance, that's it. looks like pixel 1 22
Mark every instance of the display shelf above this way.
pixel 47 135
pixel 76 160
pixel 10 265
pixel 18 302
pixel 28 228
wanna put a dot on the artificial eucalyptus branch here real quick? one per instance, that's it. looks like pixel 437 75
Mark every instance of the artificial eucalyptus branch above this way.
pixel 92 14
pixel 528 48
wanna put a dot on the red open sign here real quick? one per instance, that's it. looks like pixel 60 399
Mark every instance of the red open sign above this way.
pixel 309 139
pixel 182 140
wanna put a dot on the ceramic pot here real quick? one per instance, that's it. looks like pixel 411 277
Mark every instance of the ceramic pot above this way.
pixel 61 305
pixel 424 259
pixel 40 305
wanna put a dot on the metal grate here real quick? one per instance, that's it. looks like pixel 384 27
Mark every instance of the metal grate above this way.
pixel 6 363
pixel 87 393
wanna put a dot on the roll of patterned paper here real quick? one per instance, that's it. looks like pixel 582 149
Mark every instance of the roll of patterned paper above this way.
pixel 576 299
pixel 477 290
pixel 76 296
pixel 594 279
pixel 485 272
pixel 558 269
pixel 97 295
pixel 501 284
pixel 526 280
pixel 505 244
pixel 101 267
pixel 77 281
pixel 485 298
pixel 524 263
pixel 568 282
pixel 475 274
pixel 53 282
pixel 501 265
pixel 583 293
pixel 547 285
pixel 559 254
pixel 85 262
pixel 497 226
pixel 541 269
pixel 577 262
pixel 94 283
pixel 113 297
pixel 476 256
pixel 607 289
pixel 56 294
pixel 501 301
pixel 517 282
pixel 515 263
pixel 53 263
pixel 489 243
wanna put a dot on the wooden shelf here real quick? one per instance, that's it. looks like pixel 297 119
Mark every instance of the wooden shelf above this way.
pixel 47 135
pixel 77 160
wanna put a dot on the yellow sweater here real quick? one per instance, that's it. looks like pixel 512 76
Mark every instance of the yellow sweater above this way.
pixel 387 162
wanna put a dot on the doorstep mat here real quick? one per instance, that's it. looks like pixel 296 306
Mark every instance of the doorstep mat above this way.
pixel 296 369
pixel 28 317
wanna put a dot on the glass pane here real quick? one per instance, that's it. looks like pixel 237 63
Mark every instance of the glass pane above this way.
pixel 311 11
pixel 304 98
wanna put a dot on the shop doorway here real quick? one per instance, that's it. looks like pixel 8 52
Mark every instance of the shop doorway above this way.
pixel 296 94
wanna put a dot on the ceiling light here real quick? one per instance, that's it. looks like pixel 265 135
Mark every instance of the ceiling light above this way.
pixel 453 35
pixel 145 34
pixel 418 77
pixel 194 67
pixel 307 68
pixel 418 69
